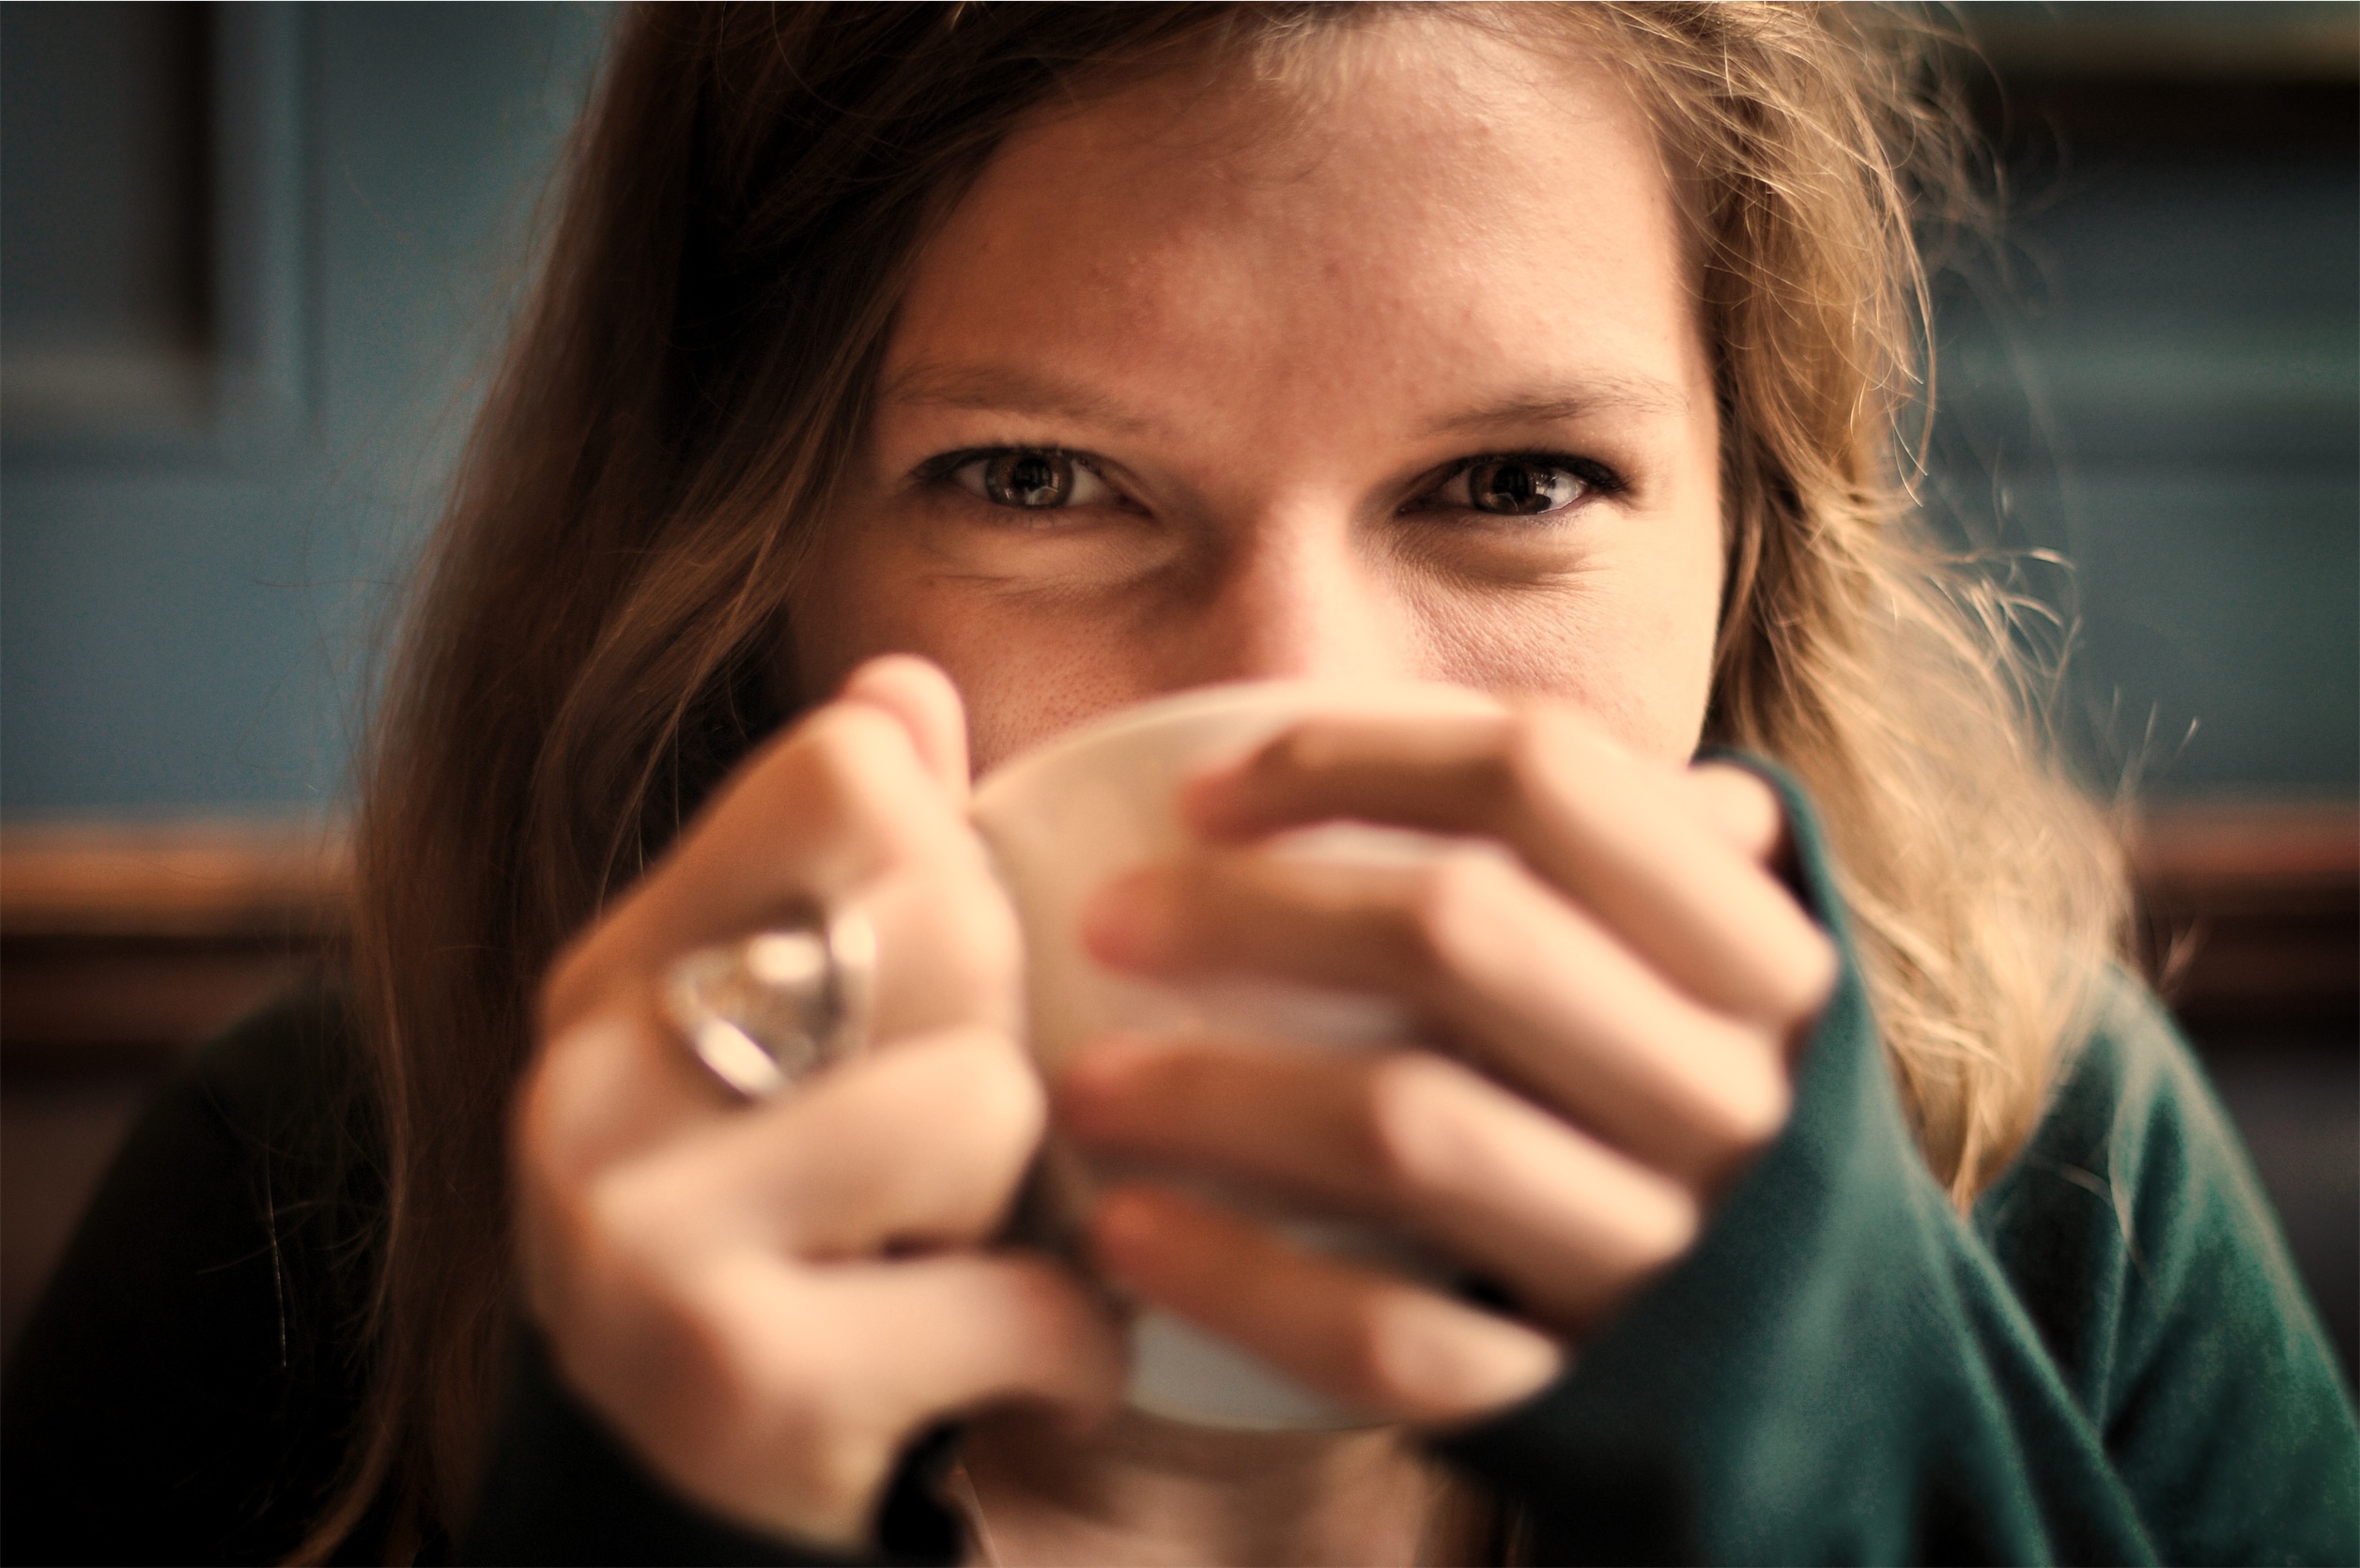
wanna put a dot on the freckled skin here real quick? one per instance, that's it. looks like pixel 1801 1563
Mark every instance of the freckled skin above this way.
pixel 1259 306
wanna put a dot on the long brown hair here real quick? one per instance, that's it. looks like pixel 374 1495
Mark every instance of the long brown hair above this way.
pixel 592 644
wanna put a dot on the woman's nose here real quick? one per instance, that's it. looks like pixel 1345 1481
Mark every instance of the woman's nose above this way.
pixel 1299 603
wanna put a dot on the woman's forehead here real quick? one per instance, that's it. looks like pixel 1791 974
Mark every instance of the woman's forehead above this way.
pixel 1431 203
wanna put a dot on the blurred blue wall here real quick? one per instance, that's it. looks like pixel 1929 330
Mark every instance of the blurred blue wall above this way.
pixel 189 598
pixel 2164 387
pixel 2167 394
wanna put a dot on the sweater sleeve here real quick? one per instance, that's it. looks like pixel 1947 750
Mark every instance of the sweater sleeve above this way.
pixel 2134 1230
pixel 2115 1369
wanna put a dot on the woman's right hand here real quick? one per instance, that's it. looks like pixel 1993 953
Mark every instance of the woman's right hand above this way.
pixel 767 1301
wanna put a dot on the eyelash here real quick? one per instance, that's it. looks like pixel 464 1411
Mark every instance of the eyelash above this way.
pixel 1600 479
pixel 938 469
pixel 1597 477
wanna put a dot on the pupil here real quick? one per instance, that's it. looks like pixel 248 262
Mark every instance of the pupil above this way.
pixel 1516 488
pixel 1028 478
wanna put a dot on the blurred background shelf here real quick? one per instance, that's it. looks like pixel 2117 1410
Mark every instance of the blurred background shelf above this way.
pixel 124 946
pixel 2249 913
pixel 129 943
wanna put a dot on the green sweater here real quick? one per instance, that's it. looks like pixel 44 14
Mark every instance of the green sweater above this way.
pixel 2111 1362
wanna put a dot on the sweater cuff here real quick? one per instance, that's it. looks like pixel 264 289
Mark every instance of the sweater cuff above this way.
pixel 1523 1451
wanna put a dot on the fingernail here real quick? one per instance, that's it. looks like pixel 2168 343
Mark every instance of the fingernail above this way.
pixel 1204 801
pixel 1123 923
pixel 1453 1364
pixel 1095 1078
pixel 1122 1226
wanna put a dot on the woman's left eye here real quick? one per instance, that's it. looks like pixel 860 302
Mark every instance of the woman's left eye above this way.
pixel 1030 478
pixel 1515 486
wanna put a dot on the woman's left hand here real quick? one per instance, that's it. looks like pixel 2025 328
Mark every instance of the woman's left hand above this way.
pixel 1616 979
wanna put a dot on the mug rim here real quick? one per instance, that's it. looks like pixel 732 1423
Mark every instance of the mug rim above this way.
pixel 1358 698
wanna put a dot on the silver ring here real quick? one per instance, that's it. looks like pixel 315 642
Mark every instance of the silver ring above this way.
pixel 768 1009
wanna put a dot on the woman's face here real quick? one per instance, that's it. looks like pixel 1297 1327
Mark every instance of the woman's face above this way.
pixel 1396 371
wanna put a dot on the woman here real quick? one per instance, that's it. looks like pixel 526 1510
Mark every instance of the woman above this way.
pixel 1090 354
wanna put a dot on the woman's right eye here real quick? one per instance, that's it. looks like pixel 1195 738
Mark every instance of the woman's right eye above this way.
pixel 1032 479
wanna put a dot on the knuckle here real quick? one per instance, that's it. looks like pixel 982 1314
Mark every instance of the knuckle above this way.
pixel 741 1375
pixel 1385 1345
pixel 1536 752
pixel 1792 986
pixel 1366 1352
pixel 562 991
pixel 1302 750
pixel 1453 902
pixel 1529 749
pixel 729 1345
pixel 649 1224
pixel 779 1398
pixel 1817 968
pixel 588 973
pixel 746 1394
pixel 547 1158
pixel 781 1384
pixel 852 766
pixel 993 1084
pixel 1753 1104
pixel 1666 1225
pixel 843 1469
pixel 725 1398
pixel 977 947
pixel 950 950
pixel 845 753
pixel 618 1214
pixel 1407 1118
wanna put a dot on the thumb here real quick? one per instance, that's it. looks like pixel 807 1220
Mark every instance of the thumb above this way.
pixel 916 692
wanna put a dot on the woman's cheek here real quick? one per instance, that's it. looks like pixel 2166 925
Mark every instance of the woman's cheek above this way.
pixel 1637 659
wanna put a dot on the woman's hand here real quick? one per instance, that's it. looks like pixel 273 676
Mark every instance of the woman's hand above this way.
pixel 766 1301
pixel 1618 978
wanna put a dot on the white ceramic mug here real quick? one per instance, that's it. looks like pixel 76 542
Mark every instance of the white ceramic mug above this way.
pixel 1068 817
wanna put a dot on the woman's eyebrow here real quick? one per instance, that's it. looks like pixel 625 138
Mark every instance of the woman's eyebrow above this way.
pixel 1010 390
pixel 1575 399
pixel 1016 390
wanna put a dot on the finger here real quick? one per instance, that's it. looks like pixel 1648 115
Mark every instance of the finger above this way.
pixel 840 802
pixel 922 1146
pixel 800 1390
pixel 847 801
pixel 1591 820
pixel 844 815
pixel 946 1334
pixel 1532 986
pixel 948 952
pixel 609 1087
pixel 1739 806
pixel 1366 1339
pixel 1408 1137
pixel 917 693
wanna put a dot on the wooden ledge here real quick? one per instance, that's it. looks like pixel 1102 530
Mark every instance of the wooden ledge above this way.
pixel 2300 852
pixel 149 937
pixel 200 881
pixel 2249 913
pixel 123 944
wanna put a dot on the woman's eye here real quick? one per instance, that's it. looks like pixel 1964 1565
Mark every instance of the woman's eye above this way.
pixel 1514 486
pixel 1032 480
